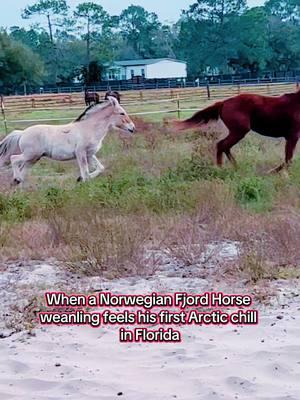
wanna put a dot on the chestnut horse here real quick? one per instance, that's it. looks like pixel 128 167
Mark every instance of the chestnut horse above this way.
pixel 116 95
pixel 269 116
pixel 91 97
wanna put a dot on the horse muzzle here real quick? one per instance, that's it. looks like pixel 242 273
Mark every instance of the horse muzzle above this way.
pixel 126 128
pixel 130 128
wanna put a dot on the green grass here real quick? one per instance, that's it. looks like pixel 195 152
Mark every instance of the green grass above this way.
pixel 166 175
pixel 130 186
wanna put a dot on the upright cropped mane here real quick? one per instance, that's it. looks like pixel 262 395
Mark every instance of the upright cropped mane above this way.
pixel 91 109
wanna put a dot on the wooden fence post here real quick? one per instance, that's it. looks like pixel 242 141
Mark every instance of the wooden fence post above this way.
pixel 208 90
pixel 3 113
pixel 178 106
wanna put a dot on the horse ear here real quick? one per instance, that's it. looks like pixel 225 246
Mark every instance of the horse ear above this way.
pixel 113 101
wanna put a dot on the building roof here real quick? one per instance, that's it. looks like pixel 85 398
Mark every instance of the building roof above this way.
pixel 147 61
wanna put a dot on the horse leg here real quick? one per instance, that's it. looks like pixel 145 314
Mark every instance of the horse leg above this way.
pixel 290 146
pixel 230 157
pixel 16 162
pixel 226 144
pixel 289 150
pixel 95 164
pixel 83 165
pixel 20 163
pixel 24 168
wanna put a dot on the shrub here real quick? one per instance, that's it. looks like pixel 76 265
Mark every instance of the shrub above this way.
pixel 54 198
pixel 15 207
pixel 253 190
pixel 99 241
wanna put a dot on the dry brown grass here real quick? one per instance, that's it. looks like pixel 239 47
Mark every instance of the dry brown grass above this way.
pixel 281 244
pixel 88 241
pixel 32 240
pixel 96 242
pixel 187 241
pixel 269 246
pixel 93 242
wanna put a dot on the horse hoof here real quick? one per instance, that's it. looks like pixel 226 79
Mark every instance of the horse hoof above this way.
pixel 79 179
pixel 16 181
pixel 276 170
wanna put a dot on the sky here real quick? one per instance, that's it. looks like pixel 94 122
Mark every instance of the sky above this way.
pixel 167 10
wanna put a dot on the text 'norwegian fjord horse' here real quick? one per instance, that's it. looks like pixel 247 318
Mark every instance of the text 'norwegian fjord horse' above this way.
pixel 269 116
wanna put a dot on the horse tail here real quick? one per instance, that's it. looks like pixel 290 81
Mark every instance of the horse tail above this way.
pixel 9 146
pixel 201 117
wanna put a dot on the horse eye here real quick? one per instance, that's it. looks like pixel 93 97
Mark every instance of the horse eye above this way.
pixel 122 113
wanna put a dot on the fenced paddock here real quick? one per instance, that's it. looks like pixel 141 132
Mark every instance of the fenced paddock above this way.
pixel 21 111
pixel 158 189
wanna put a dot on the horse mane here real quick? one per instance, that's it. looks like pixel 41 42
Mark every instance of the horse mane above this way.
pixel 86 112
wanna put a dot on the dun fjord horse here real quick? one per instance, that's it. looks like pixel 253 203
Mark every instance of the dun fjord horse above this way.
pixel 269 116
pixel 80 140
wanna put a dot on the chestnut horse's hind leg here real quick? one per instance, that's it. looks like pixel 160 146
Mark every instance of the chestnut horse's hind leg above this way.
pixel 289 152
pixel 226 144
pixel 231 158
pixel 289 149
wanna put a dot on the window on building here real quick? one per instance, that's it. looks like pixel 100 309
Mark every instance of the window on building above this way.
pixel 132 73
pixel 114 74
pixel 143 72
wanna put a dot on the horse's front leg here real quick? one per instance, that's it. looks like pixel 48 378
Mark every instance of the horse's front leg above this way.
pixel 95 165
pixel 83 165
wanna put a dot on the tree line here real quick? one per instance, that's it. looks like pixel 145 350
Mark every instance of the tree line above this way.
pixel 213 36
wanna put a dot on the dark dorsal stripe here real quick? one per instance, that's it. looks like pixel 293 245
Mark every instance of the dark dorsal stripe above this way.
pixel 82 115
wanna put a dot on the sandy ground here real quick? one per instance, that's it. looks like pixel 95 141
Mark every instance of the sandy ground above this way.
pixel 255 362
pixel 258 362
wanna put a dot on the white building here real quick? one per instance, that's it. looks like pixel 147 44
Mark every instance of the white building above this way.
pixel 153 68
